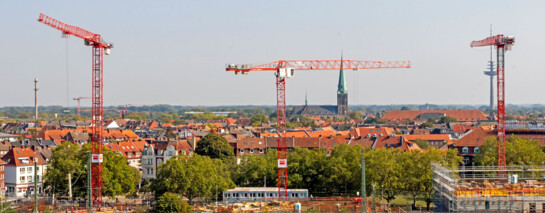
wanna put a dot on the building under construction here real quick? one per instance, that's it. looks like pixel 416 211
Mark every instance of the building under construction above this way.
pixel 484 189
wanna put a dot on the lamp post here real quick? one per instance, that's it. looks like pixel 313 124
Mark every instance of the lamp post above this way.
pixel 89 190
pixel 363 192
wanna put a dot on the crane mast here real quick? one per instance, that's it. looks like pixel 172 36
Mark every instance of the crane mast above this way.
pixel 285 69
pixel 99 48
pixel 502 44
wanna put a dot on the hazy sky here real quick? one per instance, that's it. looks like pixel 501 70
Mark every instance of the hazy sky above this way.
pixel 174 52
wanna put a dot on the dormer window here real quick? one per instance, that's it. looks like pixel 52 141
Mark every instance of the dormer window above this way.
pixel 241 150
pixel 476 150
pixel 465 150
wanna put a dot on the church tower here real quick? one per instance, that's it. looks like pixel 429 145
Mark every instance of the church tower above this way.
pixel 342 93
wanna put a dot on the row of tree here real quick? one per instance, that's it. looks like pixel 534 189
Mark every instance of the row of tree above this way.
pixel 390 170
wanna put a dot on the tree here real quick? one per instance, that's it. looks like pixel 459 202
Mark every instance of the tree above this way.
pixel 374 121
pixel 446 119
pixel 118 177
pixel 417 169
pixel 215 146
pixel 404 108
pixel 517 151
pixel 171 202
pixel 195 176
pixel 258 119
pixel 385 172
pixel 165 117
pixel 254 170
pixel 64 160
pixel 355 115
pixel 423 144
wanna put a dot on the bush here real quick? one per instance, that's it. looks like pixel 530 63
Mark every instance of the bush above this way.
pixel 170 202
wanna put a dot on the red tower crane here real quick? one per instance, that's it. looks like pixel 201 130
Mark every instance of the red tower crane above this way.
pixel 79 99
pixel 99 49
pixel 285 69
pixel 502 44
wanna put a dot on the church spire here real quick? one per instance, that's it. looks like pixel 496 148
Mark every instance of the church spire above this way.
pixel 341 89
pixel 306 98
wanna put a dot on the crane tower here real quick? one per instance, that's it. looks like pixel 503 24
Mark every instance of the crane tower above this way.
pixel 286 69
pixel 99 48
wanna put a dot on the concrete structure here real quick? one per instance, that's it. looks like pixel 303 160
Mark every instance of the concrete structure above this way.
pixel 482 189
pixel 36 98
pixel 242 194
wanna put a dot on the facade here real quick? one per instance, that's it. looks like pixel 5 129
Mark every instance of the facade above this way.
pixel 242 194
pixel 403 116
pixel 159 152
pixel 2 178
pixel 19 171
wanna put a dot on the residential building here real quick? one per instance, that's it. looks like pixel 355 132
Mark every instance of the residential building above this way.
pixel 19 171
pixel 159 152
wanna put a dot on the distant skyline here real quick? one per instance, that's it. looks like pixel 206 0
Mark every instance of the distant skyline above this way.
pixel 174 52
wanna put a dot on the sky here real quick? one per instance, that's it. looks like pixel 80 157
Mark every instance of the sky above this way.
pixel 174 52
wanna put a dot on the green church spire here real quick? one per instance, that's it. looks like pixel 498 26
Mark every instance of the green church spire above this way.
pixel 341 89
pixel 306 98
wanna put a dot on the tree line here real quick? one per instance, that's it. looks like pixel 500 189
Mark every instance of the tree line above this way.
pixel 212 169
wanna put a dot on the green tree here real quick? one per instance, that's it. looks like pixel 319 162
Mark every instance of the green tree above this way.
pixel 517 151
pixel 385 172
pixel 171 202
pixel 255 170
pixel 65 159
pixel 355 115
pixel 374 121
pixel 195 176
pixel 423 144
pixel 215 146
pixel 404 108
pixel 446 119
pixel 258 119
pixel 118 177
pixel 306 169
pixel 165 117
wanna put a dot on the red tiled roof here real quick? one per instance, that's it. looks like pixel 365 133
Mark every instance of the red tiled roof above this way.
pixel 460 115
pixel 363 131
pixel 461 128
pixel 15 157
pixel 476 137
pixel 432 137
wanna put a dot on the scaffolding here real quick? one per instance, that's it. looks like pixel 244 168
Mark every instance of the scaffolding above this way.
pixel 484 189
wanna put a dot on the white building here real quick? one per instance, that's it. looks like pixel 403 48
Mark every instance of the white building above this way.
pixel 19 172
pixel 159 152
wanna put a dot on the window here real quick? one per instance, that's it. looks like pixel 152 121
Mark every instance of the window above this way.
pixel 29 169
pixel 259 142
pixel 241 150
pixel 22 178
pixel 29 179
pixel 465 150
pixel 22 170
pixel 251 150
pixel 260 150
pixel 476 150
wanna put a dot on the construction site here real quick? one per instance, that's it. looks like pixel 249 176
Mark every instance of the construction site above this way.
pixel 489 189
